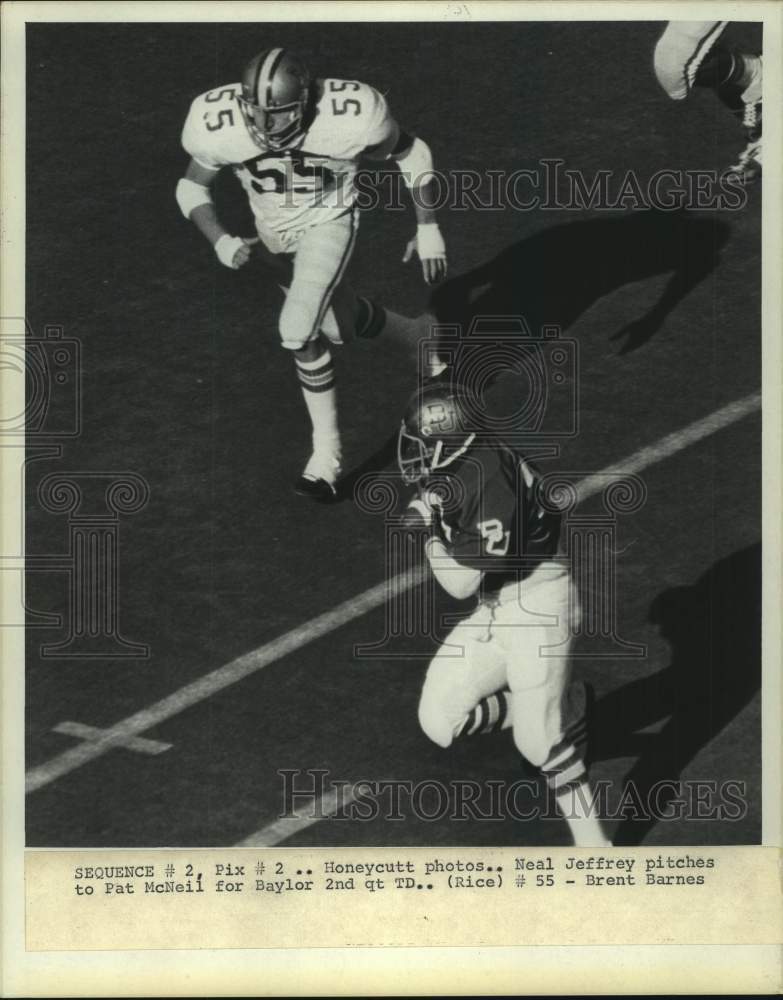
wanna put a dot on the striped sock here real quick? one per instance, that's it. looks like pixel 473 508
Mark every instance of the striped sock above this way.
pixel 566 775
pixel 371 318
pixel 566 768
pixel 489 716
pixel 320 396
pixel 316 376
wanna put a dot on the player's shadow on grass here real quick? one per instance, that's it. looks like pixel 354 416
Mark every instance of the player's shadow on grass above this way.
pixel 554 276
pixel 714 630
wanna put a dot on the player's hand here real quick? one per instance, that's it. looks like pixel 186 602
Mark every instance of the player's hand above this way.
pixel 429 245
pixel 233 251
pixel 418 515
pixel 425 513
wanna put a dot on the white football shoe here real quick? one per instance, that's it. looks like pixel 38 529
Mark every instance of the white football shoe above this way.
pixel 748 165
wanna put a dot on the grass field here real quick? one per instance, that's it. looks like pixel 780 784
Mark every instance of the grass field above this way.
pixel 185 384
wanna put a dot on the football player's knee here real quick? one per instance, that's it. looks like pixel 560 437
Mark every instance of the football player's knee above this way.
pixel 670 70
pixel 434 721
pixel 297 323
pixel 533 743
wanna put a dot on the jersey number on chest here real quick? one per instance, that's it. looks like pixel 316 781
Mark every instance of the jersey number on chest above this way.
pixel 496 538
pixel 296 175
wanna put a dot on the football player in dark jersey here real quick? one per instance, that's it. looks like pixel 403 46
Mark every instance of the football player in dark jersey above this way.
pixel 490 536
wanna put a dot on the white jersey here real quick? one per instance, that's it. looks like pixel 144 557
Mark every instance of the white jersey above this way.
pixel 301 187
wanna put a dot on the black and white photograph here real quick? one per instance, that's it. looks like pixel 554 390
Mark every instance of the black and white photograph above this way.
pixel 393 470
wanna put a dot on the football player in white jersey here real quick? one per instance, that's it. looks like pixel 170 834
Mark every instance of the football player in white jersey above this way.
pixel 689 54
pixel 295 146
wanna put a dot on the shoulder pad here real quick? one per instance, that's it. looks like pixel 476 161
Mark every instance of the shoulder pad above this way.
pixel 354 115
pixel 213 124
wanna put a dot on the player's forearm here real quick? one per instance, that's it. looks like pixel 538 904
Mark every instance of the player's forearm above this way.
pixel 417 169
pixel 422 199
pixel 457 580
pixel 194 197
pixel 205 219
pixel 195 202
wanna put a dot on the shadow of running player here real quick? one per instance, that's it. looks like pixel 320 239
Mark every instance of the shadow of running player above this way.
pixel 714 629
pixel 554 276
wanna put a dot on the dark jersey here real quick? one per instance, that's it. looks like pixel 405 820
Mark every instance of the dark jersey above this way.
pixel 493 520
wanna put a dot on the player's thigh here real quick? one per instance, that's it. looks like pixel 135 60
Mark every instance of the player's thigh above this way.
pixel 322 257
pixel 463 671
pixel 281 262
pixel 537 710
pixel 339 322
pixel 537 638
pixel 680 51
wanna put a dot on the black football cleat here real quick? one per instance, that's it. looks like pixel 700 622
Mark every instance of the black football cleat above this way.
pixel 318 480
pixel 316 489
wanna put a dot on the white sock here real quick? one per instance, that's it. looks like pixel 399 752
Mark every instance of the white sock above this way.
pixel 320 396
pixel 754 73
pixel 575 803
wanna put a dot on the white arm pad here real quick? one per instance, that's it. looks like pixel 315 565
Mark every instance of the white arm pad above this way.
pixel 226 248
pixel 416 165
pixel 190 195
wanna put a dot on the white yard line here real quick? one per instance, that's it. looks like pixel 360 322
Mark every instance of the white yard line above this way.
pixel 300 819
pixel 230 673
pixel 672 443
pixel 209 684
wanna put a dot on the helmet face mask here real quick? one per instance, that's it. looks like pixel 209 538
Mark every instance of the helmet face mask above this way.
pixel 432 434
pixel 274 128
pixel 275 98
pixel 414 458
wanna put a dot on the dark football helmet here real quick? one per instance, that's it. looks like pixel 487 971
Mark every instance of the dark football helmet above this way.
pixel 435 431
pixel 274 101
